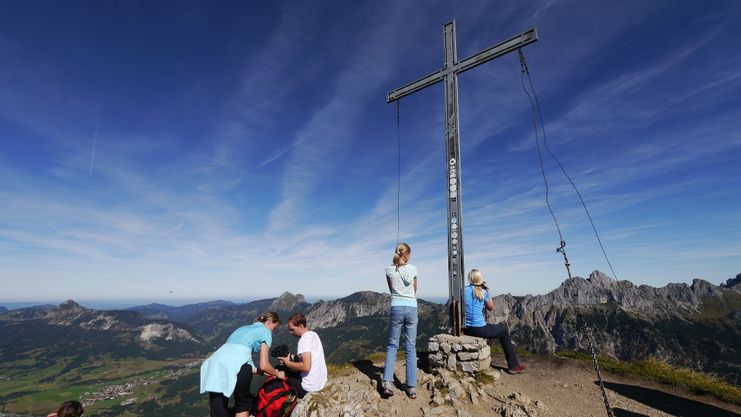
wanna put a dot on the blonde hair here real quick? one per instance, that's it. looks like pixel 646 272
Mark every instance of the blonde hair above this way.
pixel 401 250
pixel 476 279
pixel 270 316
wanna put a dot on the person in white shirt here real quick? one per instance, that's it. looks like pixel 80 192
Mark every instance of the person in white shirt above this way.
pixel 307 370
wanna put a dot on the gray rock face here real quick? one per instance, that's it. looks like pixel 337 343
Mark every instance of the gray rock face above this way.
pixel 676 322
pixel 288 302
pixel 323 314
pixel 734 283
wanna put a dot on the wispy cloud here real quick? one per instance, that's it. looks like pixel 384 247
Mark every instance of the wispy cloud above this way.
pixel 289 180
pixel 322 144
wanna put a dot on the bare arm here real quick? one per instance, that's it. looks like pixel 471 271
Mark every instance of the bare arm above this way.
pixel 388 281
pixel 265 366
pixel 489 302
pixel 415 285
pixel 303 366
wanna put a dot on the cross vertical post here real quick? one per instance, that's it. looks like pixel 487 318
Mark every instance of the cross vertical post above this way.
pixel 453 173
pixel 449 74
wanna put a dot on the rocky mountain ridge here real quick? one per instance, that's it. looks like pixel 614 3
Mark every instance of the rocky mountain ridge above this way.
pixel 670 301
pixel 127 325
pixel 693 325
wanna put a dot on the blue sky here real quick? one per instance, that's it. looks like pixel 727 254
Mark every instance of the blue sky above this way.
pixel 197 150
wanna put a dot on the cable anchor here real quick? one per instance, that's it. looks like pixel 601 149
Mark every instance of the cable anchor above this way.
pixel 562 251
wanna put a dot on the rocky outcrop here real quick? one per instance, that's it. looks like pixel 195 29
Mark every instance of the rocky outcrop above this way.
pixel 441 394
pixel 165 331
pixel 360 304
pixel 289 302
pixel 734 283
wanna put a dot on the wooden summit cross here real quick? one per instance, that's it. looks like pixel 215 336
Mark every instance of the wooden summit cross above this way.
pixel 449 73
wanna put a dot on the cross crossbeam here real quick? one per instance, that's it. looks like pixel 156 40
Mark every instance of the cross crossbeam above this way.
pixel 527 37
pixel 449 74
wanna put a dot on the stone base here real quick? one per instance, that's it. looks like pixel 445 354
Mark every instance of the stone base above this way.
pixel 466 354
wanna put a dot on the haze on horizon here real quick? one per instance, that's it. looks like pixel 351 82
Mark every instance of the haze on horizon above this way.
pixel 203 151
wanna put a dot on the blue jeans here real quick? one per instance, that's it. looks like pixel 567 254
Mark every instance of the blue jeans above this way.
pixel 402 317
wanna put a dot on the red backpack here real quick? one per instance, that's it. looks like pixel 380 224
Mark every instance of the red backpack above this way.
pixel 276 398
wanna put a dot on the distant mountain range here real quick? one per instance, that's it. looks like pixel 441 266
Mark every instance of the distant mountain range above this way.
pixel 179 314
pixel 45 333
pixel 696 325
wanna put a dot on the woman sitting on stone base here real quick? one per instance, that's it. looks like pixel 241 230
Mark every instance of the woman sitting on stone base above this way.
pixel 477 296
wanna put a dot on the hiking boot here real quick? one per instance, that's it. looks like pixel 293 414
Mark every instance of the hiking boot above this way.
pixel 388 388
pixel 412 392
pixel 519 369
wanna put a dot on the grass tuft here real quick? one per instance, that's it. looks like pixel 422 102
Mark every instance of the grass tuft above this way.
pixel 339 369
pixel 379 356
pixel 483 377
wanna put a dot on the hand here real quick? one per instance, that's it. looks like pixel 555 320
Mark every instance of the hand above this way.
pixel 254 370
pixel 283 360
pixel 281 375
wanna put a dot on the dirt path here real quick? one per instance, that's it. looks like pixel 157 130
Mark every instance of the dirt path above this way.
pixel 552 387
pixel 569 388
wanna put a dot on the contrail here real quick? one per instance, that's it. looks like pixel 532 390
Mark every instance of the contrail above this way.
pixel 95 142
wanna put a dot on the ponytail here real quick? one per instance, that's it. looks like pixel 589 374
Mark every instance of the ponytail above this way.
pixel 476 279
pixel 270 316
pixel 401 250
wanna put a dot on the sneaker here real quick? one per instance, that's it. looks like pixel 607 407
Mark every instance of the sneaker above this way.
pixel 412 392
pixel 519 369
pixel 388 388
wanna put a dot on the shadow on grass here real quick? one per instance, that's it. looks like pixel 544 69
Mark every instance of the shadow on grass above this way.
pixel 668 403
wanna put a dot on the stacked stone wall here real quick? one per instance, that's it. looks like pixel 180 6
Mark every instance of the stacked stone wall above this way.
pixel 464 354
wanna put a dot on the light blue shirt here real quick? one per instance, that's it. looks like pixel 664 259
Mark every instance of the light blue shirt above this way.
pixel 251 336
pixel 219 372
pixel 474 307
pixel 402 285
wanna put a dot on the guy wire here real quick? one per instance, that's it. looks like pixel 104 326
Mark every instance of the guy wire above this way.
pixel 526 71
pixel 537 145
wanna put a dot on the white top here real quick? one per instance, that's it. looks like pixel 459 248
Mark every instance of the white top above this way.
pixel 316 378
pixel 402 285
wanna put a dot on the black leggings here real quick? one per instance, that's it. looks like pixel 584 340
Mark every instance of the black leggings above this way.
pixel 243 399
pixel 496 331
